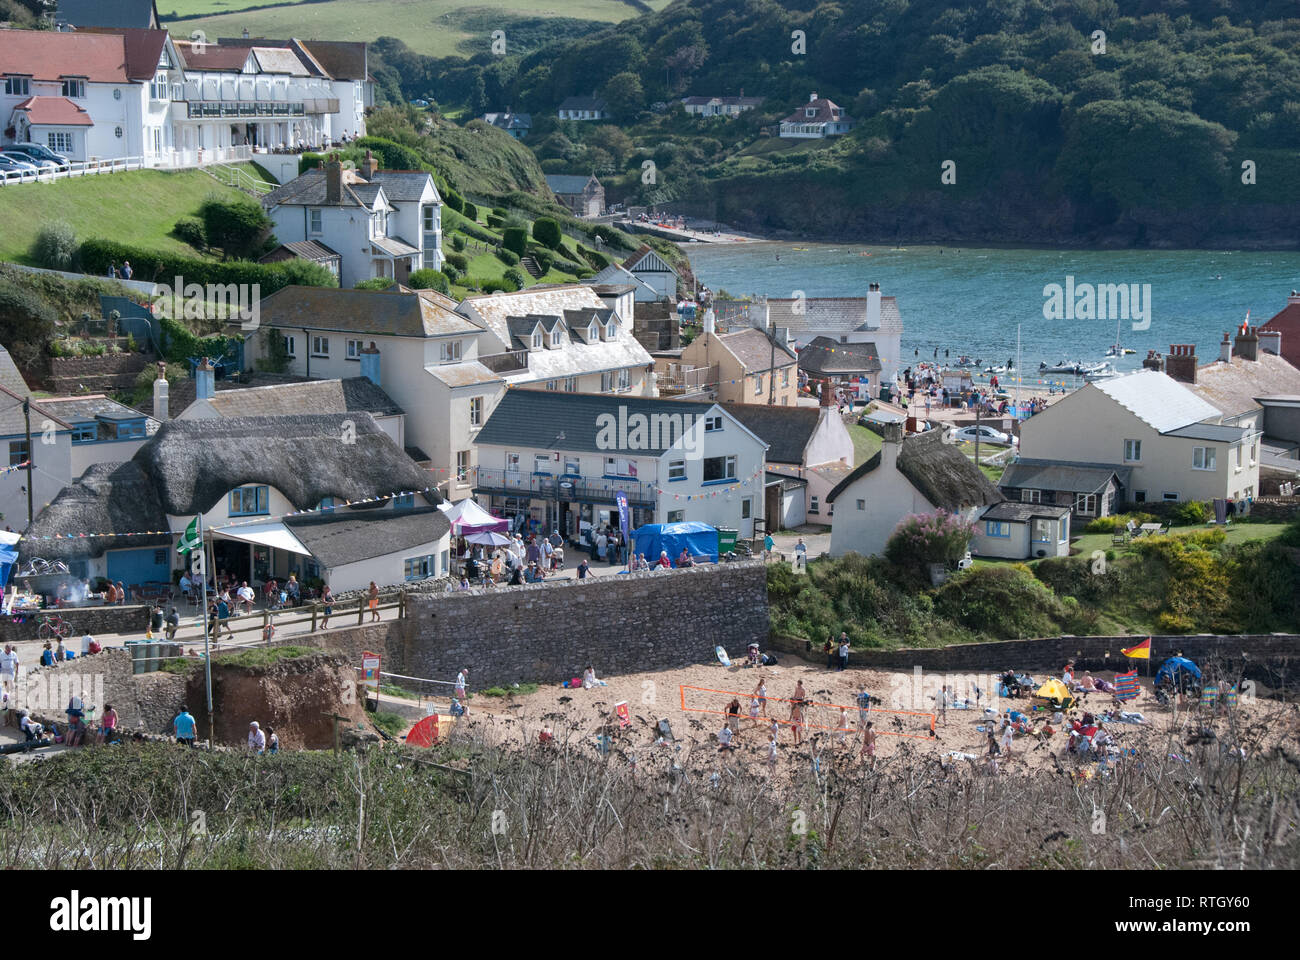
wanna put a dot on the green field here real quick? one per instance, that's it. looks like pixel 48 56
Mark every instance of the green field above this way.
pixel 138 207
pixel 431 27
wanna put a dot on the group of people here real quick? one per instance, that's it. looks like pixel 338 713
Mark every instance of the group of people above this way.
pixel 79 591
pixel 797 720
pixel 517 562
pixel 185 730
pixel 56 652
pixel 124 272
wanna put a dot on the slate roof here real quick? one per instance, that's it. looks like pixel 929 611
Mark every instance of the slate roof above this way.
pixel 312 250
pixel 308 189
pixel 181 393
pixel 383 313
pixel 212 57
pixel 1232 387
pixel 1021 512
pixel 756 352
pixel 107 13
pixel 563 183
pixel 404 186
pixel 271 60
pixel 531 418
pixel 394 246
pixel 84 409
pixel 835 315
pixel 340 537
pixel 582 103
pixel 830 358
pixel 1059 475
pixel 785 430
pixel 353 395
pixel 941 473
pixel 10 377
pixel 1219 433
pixel 12 422
pixel 1158 400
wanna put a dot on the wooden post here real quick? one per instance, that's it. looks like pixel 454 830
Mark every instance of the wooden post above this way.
pixel 361 610
pixel 266 620
pixel 313 617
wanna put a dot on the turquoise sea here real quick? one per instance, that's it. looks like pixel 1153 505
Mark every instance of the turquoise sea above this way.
pixel 971 300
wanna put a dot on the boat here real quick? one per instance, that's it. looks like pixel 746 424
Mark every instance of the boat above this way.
pixel 1097 371
pixel 1117 351
pixel 1075 368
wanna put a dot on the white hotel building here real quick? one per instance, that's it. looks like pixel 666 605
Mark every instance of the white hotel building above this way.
pixel 134 93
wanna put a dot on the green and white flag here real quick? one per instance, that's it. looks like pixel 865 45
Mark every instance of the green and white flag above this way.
pixel 190 538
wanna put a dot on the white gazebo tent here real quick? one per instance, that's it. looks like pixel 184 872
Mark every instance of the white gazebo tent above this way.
pixel 468 517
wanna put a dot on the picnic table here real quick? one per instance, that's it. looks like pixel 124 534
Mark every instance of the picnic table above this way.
pixel 1148 529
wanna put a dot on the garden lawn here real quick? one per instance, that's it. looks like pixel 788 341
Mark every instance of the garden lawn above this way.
pixel 865 443
pixel 137 207
pixel 1237 533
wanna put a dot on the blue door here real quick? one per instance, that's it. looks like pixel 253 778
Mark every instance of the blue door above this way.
pixel 139 566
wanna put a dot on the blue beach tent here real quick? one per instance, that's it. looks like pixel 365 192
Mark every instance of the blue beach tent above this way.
pixel 699 539
pixel 1171 668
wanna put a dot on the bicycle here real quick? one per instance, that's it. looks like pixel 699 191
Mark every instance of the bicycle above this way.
pixel 38 567
pixel 52 627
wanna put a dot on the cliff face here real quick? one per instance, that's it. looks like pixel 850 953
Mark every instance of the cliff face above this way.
pixel 801 209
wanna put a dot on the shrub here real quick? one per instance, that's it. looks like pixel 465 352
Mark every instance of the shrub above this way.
pixel 1187 513
pixel 306 273
pixel 96 254
pixel 391 155
pixel 459 261
pixel 238 225
pixel 547 231
pixel 179 344
pixel 508 257
pixel 453 200
pixel 495 221
pixel 470 211
pixel 190 230
pixel 515 239
pixel 451 273
pixel 922 539
pixel 457 242
pixel 491 286
pixel 1117 522
pixel 568 266
pixel 375 283
pixel 544 260
pixel 27 321
pixel 515 278
pixel 499 211
pixel 429 280
pixel 594 257
pixel 1004 601
pixel 55 246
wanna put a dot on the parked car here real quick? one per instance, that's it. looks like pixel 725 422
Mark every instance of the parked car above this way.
pixel 985 435
pixel 12 163
pixel 37 162
pixel 39 151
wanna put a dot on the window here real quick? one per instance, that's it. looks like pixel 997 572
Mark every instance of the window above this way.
pixel 1171 497
pixel 717 469
pixel 316 216
pixel 1132 451
pixel 712 424
pixel 430 222
pixel 404 501
pixel 810 112
pixel 624 379
pixel 462 465
pixel 552 384
pixel 571 385
pixel 18 86
pixel 1139 496
pixel 785 377
pixel 320 346
pixel 85 433
pixel 158 89
pixel 676 469
pixel 419 568
pixel 606 382
pixel 862 504
pixel 476 411
pixel 1240 454
pixel 758 384
pixel 512 463
pixel 291 345
pixel 380 223
pixel 354 348
pixel 326 504
pixel 537 340
pixel 555 338
pixel 17 452
pixel 250 501
pixel 1203 458
pixel 676 516
pixel 1031 496
pixel 450 350
pixel 611 330
pixel 75 89
pixel 593 332
pixel 1042 531
pixel 746 508
pixel 59 142
pixel 542 464
pixel 620 467
pixel 1254 453
pixel 813 505
pixel 131 430
pixel 572 467
pixel 1085 504
pixel 997 528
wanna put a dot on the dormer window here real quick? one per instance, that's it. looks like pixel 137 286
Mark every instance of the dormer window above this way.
pixel 611 330
pixel 75 88
pixel 593 332
pixel 555 338
pixel 810 112
pixel 537 339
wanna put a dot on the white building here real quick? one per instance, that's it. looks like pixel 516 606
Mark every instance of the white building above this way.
pixel 873 319
pixel 380 223
pixel 561 460
pixel 583 108
pixel 816 119
pixel 724 107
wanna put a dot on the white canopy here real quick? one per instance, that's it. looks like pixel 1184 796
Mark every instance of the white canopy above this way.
pixel 275 535
pixel 469 515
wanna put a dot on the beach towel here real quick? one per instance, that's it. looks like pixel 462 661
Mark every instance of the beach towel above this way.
pixel 1126 685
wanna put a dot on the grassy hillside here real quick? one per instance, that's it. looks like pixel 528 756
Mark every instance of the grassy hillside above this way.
pixel 138 207
pixel 433 27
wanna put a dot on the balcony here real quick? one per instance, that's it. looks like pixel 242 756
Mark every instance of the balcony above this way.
pixel 512 361
pixel 567 489
pixel 244 108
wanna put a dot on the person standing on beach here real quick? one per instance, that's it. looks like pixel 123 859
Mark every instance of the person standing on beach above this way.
pixel 843 729
pixel 943 705
pixel 828 648
pixel 771 753
pixel 733 714
pixel 796 721
pixel 760 692
pixel 844 650
pixel 869 741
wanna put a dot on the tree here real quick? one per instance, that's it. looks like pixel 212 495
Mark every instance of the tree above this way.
pixel 623 94
pixel 238 225
pixel 55 246
pixel 27 322
pixel 926 538
pixel 547 232
pixel 515 239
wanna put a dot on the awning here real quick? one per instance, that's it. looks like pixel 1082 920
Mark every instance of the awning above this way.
pixel 275 535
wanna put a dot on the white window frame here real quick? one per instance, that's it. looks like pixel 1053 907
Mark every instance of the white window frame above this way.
pixel 676 469
pixel 476 411
pixel 290 345
pixel 607 381
pixel 1045 525
pixel 1168 497
pixel 862 504
pixel 625 379
pixel 1132 451
pixel 572 466
pixel 74 88
pixel 538 340
pixel 353 349
pixel 1208 458
pixel 315 220
pixel 555 338
pixel 542 463
pixel 320 346
pixel 1031 495
pixel 449 351
pixel 1085 504
pixel 1241 455
pixel 18 85
pixel 675 516
pixel 462 465
pixel 713 424
pixel 758 385
pixel 728 468
pixel 59 141
pixel 570 384
pixel 512 462
pixel 813 505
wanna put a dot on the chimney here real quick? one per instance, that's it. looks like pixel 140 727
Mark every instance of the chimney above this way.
pixel 1247 343
pixel 709 320
pixel 812 96
pixel 1225 348
pixel 1294 298
pixel 160 393
pixel 203 381
pixel 333 180
pixel 1153 361
pixel 1270 341
pixel 1180 363
pixel 369 166
pixel 873 306
pixel 892 435
pixel 370 363
pixel 827 394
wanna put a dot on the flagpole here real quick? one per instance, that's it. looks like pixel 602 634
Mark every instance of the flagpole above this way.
pixel 207 652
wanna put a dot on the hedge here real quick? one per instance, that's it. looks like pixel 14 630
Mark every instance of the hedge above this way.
pixel 515 239
pixel 429 280
pixel 179 345
pixel 391 155
pixel 469 210
pixel 496 221
pixel 547 231
pixel 508 257
pixel 158 267
pixel 457 260
pixel 515 277
pixel 453 200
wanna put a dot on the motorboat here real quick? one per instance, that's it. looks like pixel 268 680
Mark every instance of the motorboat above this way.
pixel 1075 367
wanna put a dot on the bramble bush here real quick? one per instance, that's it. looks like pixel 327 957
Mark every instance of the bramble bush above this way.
pixel 922 539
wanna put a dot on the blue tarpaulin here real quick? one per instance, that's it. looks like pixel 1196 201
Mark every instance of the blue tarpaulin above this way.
pixel 1174 666
pixel 8 560
pixel 699 539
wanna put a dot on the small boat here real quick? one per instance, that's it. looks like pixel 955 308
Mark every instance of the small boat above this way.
pixel 1063 367
pixel 800 249
pixel 993 370
pixel 1097 371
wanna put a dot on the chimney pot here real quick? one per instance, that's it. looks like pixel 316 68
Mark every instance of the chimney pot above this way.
pixel 334 180
pixel 1246 345
pixel 1181 363
pixel 812 96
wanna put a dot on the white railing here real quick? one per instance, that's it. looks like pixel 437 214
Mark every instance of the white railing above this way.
pixel 170 160
pixel 240 179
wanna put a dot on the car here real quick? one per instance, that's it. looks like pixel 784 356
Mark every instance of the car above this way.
pixel 9 163
pixel 38 162
pixel 984 435
pixel 39 151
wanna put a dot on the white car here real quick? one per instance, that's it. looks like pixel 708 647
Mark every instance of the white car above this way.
pixel 985 435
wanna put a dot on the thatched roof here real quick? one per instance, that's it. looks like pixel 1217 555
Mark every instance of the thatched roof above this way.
pixel 108 498
pixel 194 463
pixel 941 473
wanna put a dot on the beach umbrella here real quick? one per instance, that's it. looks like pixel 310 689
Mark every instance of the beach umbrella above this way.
pixel 488 538
pixel 424 733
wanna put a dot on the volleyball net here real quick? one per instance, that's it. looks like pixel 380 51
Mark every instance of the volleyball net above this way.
pixel 817 715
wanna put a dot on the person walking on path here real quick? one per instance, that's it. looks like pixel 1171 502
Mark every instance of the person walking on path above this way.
pixel 768 545
pixel 327 598
pixel 374 602
pixel 173 622
pixel 460 683
pixel 801 554
pixel 1008 733
pixel 183 726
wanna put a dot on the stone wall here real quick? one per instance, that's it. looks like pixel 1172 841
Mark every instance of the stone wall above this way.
pixel 92 620
pixel 105 374
pixel 146 701
pixel 548 632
